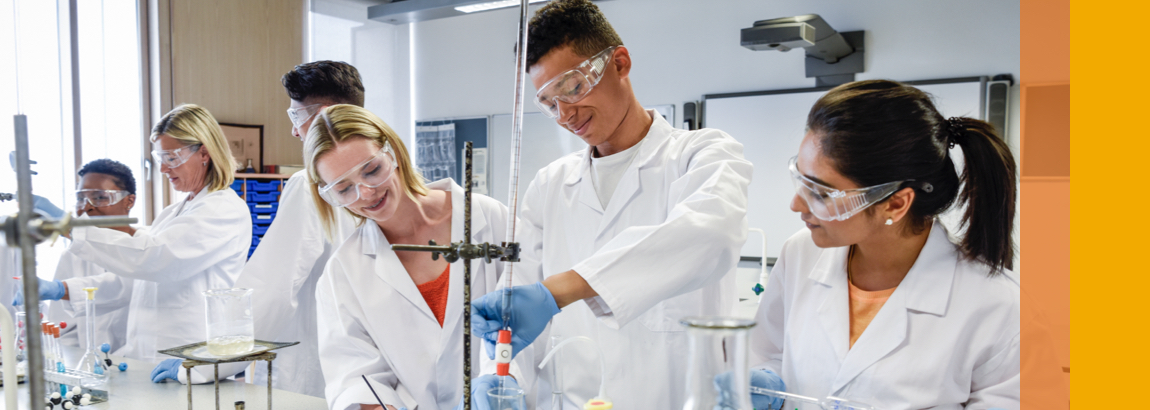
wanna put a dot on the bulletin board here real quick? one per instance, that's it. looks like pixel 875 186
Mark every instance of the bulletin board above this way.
pixel 771 124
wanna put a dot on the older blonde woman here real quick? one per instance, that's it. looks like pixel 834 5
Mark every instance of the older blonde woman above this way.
pixel 394 317
pixel 198 243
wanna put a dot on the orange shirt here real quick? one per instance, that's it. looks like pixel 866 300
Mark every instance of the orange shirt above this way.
pixel 864 306
pixel 435 293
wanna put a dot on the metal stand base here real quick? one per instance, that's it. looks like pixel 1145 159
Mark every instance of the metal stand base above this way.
pixel 190 363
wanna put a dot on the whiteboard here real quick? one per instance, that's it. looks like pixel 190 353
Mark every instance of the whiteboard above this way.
pixel 771 125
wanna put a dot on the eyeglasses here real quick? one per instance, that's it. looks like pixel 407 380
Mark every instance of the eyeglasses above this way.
pixel 99 197
pixel 830 204
pixel 372 173
pixel 573 85
pixel 299 116
pixel 175 157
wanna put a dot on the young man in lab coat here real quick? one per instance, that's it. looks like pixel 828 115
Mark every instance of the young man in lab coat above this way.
pixel 107 188
pixel 291 256
pixel 644 226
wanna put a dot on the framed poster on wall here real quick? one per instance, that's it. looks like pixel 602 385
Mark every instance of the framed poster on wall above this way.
pixel 246 143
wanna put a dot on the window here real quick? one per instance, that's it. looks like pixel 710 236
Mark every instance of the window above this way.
pixel 36 80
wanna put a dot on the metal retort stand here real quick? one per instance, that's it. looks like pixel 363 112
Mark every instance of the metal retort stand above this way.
pixel 464 249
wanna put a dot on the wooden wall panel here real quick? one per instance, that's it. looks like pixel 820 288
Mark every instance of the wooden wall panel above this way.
pixel 229 55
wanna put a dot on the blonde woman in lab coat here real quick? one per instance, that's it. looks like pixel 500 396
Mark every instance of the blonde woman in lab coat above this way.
pixel 876 301
pixel 395 317
pixel 195 244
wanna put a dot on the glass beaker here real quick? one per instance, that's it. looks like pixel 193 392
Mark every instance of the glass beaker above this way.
pixel 229 318
pixel 507 398
pixel 717 375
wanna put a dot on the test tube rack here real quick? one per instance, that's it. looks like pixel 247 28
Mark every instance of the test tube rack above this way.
pixel 77 378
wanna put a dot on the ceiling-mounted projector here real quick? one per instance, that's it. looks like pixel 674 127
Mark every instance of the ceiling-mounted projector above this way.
pixel 837 56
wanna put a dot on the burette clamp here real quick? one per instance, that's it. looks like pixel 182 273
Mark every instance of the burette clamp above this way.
pixel 510 252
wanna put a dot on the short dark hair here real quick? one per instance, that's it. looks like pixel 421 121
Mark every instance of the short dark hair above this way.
pixel 575 23
pixel 878 131
pixel 335 81
pixel 118 171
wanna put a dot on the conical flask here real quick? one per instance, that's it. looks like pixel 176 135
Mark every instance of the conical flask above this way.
pixel 717 375
pixel 90 363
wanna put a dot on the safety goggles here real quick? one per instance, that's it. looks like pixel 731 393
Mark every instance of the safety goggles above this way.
pixel 573 85
pixel 175 157
pixel 99 197
pixel 830 204
pixel 299 116
pixel 372 173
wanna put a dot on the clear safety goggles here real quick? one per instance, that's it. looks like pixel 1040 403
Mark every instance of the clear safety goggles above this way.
pixel 99 197
pixel 372 173
pixel 175 157
pixel 299 116
pixel 573 85
pixel 830 204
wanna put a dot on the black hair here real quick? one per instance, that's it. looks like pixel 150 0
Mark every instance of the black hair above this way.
pixel 335 81
pixel 575 23
pixel 118 171
pixel 879 131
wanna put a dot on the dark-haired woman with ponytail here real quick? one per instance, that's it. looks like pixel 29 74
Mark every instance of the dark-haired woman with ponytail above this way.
pixel 877 301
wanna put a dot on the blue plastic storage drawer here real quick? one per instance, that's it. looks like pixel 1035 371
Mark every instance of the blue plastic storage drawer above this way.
pixel 238 186
pixel 263 187
pixel 266 208
pixel 268 197
pixel 259 230
pixel 263 219
pixel 255 241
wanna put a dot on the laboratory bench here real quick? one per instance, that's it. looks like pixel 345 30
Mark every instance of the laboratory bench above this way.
pixel 133 389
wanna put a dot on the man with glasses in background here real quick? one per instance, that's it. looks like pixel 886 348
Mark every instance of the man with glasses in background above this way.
pixel 644 226
pixel 107 188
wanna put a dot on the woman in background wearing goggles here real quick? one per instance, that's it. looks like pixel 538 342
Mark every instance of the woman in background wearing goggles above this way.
pixel 873 302
pixel 107 188
pixel 392 316
pixel 195 244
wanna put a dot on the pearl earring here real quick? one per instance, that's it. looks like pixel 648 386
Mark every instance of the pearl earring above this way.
pixel 890 221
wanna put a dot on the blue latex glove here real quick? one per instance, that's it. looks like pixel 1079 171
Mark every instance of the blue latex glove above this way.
pixel 479 388
pixel 767 379
pixel 167 369
pixel 532 307
pixel 49 290
pixel 42 204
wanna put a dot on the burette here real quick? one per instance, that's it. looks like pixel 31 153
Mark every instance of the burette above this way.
pixel 513 184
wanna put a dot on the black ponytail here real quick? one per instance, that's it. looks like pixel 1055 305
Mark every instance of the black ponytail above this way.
pixel 879 131
pixel 989 180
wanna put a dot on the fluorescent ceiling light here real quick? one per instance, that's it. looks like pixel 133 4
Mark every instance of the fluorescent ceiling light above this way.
pixel 491 5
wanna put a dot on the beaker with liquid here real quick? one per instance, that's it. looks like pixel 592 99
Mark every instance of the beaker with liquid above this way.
pixel 231 331
pixel 717 371
pixel 507 398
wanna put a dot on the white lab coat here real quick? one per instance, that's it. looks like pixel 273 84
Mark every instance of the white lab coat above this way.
pixel 948 337
pixel 665 248
pixel 283 272
pixel 111 321
pixel 373 321
pixel 192 246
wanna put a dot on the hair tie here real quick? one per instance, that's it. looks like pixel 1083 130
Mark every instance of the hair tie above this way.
pixel 954 129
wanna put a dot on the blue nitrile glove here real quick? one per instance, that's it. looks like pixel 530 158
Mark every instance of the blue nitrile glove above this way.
pixel 42 204
pixel 766 379
pixel 167 369
pixel 49 290
pixel 532 307
pixel 479 388
pixel 759 378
